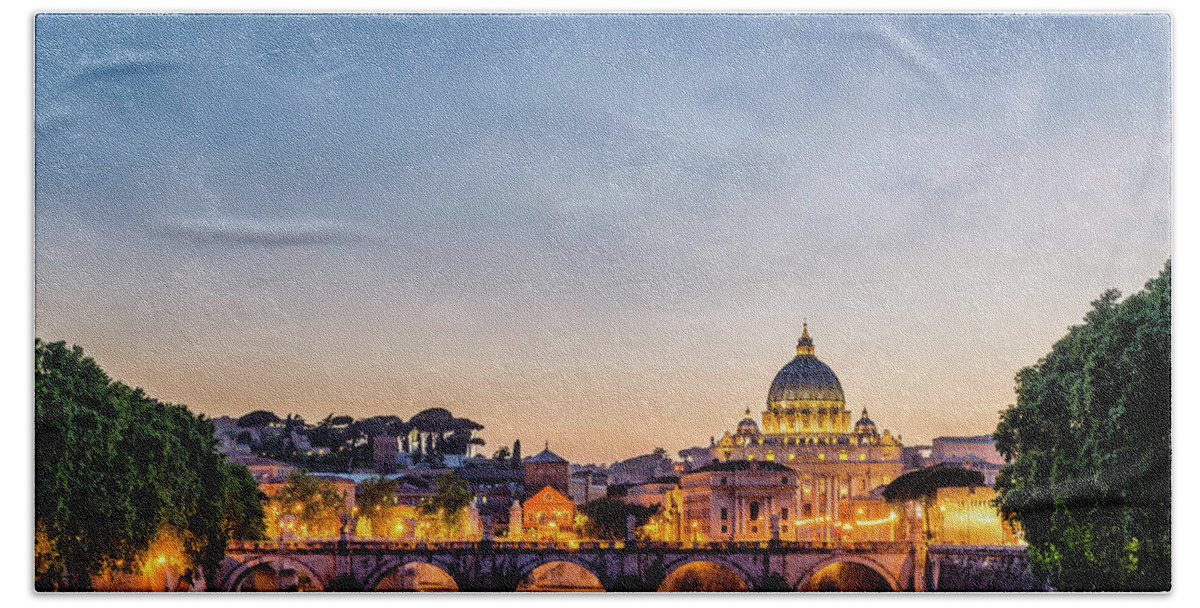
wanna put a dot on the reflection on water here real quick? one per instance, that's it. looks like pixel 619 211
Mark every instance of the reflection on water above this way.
pixel 265 578
pixel 560 577
pixel 417 577
pixel 703 576
pixel 847 576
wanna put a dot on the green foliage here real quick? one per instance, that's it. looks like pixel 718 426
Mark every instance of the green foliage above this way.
pixel 1089 448
pixel 376 500
pixel 114 469
pixel 448 505
pixel 243 509
pixel 257 418
pixel 312 507
pixel 605 518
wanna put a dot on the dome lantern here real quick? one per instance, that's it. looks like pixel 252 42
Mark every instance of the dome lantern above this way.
pixel 805 345
pixel 805 380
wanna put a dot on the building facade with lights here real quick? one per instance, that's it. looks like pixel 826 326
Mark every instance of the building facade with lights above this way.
pixel 839 465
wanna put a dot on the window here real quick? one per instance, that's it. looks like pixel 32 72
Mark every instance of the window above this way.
pixel 785 529
pixel 792 456
pixel 821 456
pixel 783 480
pixel 754 511
pixel 724 528
pixel 862 456
pixel 843 456
pixel 723 480
pixel 783 513
pixel 724 514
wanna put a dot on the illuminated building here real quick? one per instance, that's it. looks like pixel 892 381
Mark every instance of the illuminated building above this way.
pixel 839 464
pixel 548 514
pixel 738 500
pixel 966 516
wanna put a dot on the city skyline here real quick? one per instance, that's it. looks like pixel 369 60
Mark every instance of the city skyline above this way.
pixel 604 232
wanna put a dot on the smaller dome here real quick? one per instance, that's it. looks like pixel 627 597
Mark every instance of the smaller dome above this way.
pixel 747 426
pixel 865 425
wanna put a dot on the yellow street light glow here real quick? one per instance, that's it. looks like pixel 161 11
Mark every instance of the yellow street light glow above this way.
pixel 876 522
pixel 162 560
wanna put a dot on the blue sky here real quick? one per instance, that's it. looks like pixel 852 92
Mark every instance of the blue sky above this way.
pixel 599 230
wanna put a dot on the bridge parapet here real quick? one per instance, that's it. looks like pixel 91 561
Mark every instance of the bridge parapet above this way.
pixel 310 546
pixel 628 565
pixel 981 568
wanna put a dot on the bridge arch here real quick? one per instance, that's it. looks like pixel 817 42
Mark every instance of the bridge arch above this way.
pixel 392 563
pixel 427 576
pixel 807 580
pixel 732 577
pixel 278 563
pixel 588 579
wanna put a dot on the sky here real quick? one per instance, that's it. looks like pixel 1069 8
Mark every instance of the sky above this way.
pixel 599 231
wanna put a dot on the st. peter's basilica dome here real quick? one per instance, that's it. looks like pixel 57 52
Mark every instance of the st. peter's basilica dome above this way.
pixel 804 379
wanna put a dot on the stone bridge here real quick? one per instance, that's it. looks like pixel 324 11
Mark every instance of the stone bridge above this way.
pixel 619 566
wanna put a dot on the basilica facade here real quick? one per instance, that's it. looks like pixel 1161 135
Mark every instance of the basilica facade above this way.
pixel 840 464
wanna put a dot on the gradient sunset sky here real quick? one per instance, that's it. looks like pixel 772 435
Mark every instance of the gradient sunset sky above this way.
pixel 600 231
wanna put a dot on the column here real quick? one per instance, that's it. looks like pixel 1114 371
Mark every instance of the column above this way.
pixel 828 508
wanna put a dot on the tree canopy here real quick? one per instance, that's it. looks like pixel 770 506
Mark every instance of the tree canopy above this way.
pixel 257 418
pixel 307 507
pixel 1088 445
pixel 922 486
pixel 448 505
pixel 376 499
pixel 117 472
pixel 604 518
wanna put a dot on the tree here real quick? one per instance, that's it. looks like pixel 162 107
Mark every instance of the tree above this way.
pixel 119 476
pixel 376 501
pixel 449 504
pixel 243 508
pixel 502 454
pixel 922 485
pixel 1088 446
pixel 257 419
pixel 307 507
pixel 605 518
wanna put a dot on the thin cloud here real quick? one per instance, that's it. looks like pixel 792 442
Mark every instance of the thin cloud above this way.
pixel 239 231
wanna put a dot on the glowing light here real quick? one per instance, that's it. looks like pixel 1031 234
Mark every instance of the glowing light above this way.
pixel 876 522
pixel 162 559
